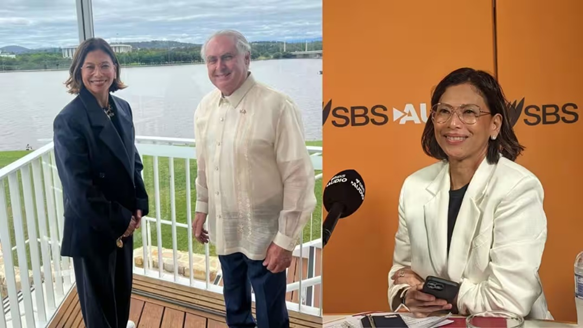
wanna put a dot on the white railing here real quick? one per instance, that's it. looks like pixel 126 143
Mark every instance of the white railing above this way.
pixel 174 151
pixel 38 282
pixel 37 279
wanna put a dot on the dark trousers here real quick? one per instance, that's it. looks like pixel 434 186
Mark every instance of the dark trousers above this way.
pixel 239 274
pixel 104 285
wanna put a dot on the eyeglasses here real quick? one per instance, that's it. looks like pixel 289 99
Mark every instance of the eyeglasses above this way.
pixel 467 113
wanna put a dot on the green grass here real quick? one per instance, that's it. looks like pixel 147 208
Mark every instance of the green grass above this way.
pixel 314 143
pixel 7 157
pixel 311 231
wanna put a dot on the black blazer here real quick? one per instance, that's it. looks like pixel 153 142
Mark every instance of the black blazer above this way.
pixel 100 173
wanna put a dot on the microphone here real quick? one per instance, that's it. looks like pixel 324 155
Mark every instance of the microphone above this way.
pixel 343 195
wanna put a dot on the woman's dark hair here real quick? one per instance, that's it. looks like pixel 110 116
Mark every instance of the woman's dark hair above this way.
pixel 506 143
pixel 75 82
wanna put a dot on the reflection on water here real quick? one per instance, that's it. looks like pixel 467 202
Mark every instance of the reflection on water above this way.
pixel 163 99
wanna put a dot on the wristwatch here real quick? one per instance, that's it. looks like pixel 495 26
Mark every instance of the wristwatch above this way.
pixel 403 295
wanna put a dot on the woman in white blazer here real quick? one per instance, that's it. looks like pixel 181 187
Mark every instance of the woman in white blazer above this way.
pixel 475 217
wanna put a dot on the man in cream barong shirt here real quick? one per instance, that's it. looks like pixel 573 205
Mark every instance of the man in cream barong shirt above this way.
pixel 255 182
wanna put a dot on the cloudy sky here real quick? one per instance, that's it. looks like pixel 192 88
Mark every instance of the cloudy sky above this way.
pixel 53 23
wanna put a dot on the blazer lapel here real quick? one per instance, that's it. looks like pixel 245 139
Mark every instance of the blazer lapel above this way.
pixel 435 211
pixel 126 133
pixel 468 220
pixel 108 133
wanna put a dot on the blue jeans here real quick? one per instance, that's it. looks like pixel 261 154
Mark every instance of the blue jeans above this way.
pixel 239 274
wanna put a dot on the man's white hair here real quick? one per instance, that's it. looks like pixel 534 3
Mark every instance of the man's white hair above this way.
pixel 240 42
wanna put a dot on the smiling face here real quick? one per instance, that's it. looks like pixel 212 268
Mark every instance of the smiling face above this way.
pixel 98 73
pixel 461 141
pixel 227 68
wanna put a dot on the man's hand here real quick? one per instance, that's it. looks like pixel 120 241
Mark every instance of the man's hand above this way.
pixel 131 228
pixel 421 304
pixel 277 259
pixel 406 276
pixel 197 228
pixel 138 216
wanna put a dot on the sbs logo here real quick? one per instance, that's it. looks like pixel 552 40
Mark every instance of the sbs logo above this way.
pixel 409 114
pixel 375 115
pixel 543 114
pixel 354 115
pixel 547 114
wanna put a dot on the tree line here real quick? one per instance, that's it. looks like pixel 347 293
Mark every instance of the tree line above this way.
pixel 153 56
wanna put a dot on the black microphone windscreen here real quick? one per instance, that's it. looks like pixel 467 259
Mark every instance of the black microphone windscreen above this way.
pixel 346 188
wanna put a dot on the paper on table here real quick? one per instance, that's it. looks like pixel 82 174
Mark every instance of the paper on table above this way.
pixel 410 320
pixel 428 322
pixel 348 322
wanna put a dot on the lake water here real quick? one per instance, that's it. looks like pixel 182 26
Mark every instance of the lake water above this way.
pixel 163 98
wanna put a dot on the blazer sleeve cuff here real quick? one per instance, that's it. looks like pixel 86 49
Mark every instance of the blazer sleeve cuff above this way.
pixel 465 286
pixel 122 224
pixel 396 293
pixel 142 204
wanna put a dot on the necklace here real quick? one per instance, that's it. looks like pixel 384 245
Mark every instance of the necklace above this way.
pixel 109 111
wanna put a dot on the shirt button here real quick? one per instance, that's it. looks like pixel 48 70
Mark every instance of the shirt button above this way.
pixel 222 119
pixel 219 143
pixel 217 193
pixel 216 168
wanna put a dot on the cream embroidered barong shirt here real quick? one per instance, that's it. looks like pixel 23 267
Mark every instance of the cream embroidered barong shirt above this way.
pixel 255 178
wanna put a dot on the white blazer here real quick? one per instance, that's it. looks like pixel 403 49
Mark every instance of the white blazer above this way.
pixel 497 243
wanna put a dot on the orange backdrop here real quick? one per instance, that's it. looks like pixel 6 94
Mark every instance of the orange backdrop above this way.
pixel 381 63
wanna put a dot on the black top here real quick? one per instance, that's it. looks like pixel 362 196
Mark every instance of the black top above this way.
pixel 455 202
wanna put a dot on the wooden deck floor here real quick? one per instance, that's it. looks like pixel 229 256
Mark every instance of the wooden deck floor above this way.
pixel 144 312
pixel 157 303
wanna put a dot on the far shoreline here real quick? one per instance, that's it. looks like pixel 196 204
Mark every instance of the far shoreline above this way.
pixel 136 65
pixel 317 143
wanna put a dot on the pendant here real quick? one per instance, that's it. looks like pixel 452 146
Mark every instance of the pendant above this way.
pixel 119 242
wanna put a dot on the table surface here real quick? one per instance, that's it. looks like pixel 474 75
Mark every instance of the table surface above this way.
pixel 527 323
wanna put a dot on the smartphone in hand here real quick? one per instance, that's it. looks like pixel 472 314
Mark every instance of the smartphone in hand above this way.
pixel 441 288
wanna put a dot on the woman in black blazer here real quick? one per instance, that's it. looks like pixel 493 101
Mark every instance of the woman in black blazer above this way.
pixel 104 194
